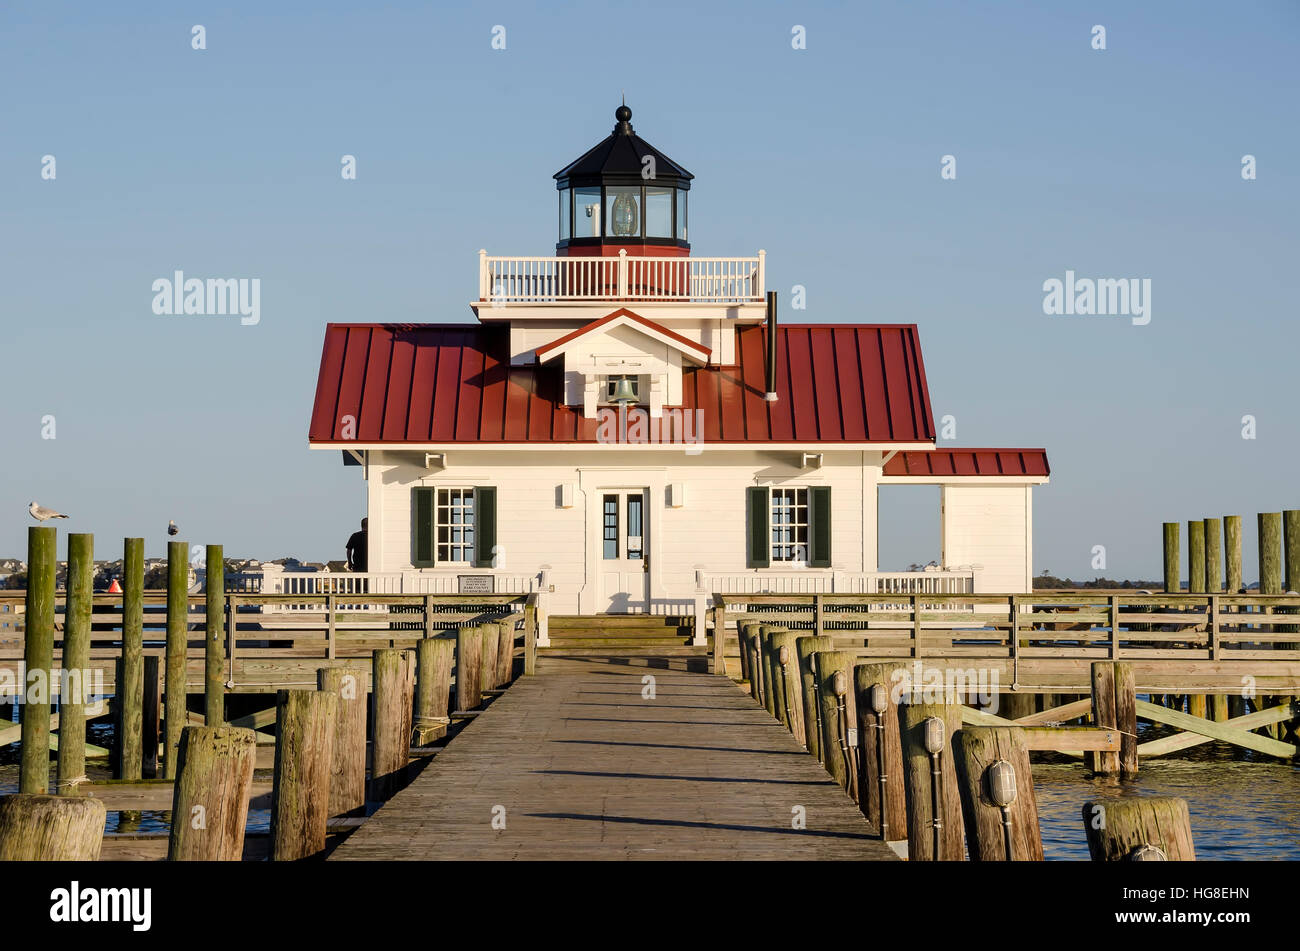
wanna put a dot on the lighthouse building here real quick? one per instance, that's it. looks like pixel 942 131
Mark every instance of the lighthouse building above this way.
pixel 627 427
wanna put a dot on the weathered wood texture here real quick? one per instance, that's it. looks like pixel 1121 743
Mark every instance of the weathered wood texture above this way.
pixel 1213 554
pixel 1173 574
pixel 210 801
pixel 76 661
pixel 433 661
pixel 348 752
pixel 1125 693
pixel 392 699
pixel 1196 556
pixel 806 647
pixel 129 690
pixel 838 716
pixel 38 658
pixel 1116 828
pixel 1270 552
pixel 506 653
pixel 919 780
pixel 174 717
pixel 304 721
pixel 576 764
pixel 491 638
pixel 977 748
pixel 789 698
pixel 35 827
pixel 469 683
pixel 1232 553
pixel 875 744
pixel 150 715
pixel 214 665
pixel 1104 716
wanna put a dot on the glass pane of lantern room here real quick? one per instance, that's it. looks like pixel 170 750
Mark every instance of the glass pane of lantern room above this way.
pixel 565 211
pixel 681 215
pixel 658 212
pixel 586 212
pixel 623 211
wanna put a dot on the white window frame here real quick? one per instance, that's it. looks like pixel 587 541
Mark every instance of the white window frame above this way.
pixel 800 503
pixel 438 509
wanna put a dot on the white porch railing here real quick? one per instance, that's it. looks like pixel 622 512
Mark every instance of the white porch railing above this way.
pixel 960 581
pixel 530 280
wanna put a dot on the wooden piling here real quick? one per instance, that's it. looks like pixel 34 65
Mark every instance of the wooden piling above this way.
pixel 506 653
pixel 749 647
pixel 892 825
pixel 214 659
pixel 491 635
pixel 35 827
pixel 840 756
pixel 469 685
pixel 129 692
pixel 1119 828
pixel 38 660
pixel 392 694
pixel 210 799
pixel 1213 554
pixel 766 664
pixel 1232 553
pixel 174 714
pixel 530 639
pixel 347 794
pixel 1173 576
pixel 1104 716
pixel 1196 556
pixel 919 783
pixel 1125 688
pixel 433 659
pixel 806 647
pixel 150 716
pixel 786 682
pixel 993 835
pixel 1270 552
pixel 304 746
pixel 75 683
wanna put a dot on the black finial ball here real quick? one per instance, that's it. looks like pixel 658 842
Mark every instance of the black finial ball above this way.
pixel 623 114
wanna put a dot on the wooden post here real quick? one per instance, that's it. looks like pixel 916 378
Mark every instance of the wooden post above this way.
pixel 1219 707
pixel 38 660
pixel 806 648
pixel 1117 828
pixel 304 744
pixel 1232 553
pixel 151 716
pixel 749 649
pixel 433 658
pixel 992 834
pixel 75 682
pixel 130 688
pixel 745 674
pixel 214 677
pixel 719 640
pixel 1270 552
pixel 1173 576
pixel 1196 556
pixel 1125 692
pixel 469 690
pixel 919 781
pixel 392 693
pixel 872 743
pixel 348 751
pixel 491 635
pixel 178 607
pixel 506 653
pixel 210 799
pixel 768 692
pixel 1104 715
pixel 530 638
pixel 1291 549
pixel 1213 532
pixel 838 753
pixel 786 681
pixel 35 827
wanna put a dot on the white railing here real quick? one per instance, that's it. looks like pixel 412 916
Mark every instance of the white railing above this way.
pixel 529 280
pixel 841 582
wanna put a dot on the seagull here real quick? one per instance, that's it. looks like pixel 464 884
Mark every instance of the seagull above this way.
pixel 171 528
pixel 41 513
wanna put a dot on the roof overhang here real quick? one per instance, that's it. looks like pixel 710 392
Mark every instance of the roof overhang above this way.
pixel 623 317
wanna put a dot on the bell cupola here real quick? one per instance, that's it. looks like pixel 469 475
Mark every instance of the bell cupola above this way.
pixel 623 194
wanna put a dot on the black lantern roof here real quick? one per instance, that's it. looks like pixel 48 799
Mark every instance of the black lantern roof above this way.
pixel 618 158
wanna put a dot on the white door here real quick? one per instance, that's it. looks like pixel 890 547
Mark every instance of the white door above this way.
pixel 624 551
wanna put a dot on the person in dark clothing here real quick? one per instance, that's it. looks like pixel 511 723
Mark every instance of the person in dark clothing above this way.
pixel 357 549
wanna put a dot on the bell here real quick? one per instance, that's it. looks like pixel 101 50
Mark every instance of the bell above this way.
pixel 624 392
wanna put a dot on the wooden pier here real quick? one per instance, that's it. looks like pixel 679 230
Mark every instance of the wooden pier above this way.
pixel 579 763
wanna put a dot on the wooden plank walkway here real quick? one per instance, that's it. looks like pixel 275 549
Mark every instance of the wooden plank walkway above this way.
pixel 587 769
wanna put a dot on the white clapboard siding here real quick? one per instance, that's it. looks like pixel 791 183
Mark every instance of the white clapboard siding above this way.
pixel 990 526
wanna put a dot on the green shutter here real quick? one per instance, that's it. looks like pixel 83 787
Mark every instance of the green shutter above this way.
pixel 760 546
pixel 485 525
pixel 819 498
pixel 422 523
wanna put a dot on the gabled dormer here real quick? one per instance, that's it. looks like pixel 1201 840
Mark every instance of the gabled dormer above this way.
pixel 623 358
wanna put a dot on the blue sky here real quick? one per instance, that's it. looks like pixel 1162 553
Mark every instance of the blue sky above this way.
pixel 225 162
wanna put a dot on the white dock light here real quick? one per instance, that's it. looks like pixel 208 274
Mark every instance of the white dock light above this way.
pixel 879 698
pixel 784 655
pixel 933 737
pixel 840 684
pixel 1000 782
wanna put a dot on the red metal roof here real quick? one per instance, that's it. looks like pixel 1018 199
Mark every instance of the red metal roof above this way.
pixel 443 383
pixel 970 462
pixel 697 348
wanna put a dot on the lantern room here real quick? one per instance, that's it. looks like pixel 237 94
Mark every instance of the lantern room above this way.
pixel 623 194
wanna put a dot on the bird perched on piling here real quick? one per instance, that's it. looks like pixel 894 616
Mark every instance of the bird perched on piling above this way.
pixel 171 528
pixel 41 513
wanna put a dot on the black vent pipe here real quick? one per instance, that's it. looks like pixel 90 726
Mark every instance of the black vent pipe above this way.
pixel 771 347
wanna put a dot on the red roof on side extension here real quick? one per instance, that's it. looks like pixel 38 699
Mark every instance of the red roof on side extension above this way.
pixel 970 462
pixel 441 383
